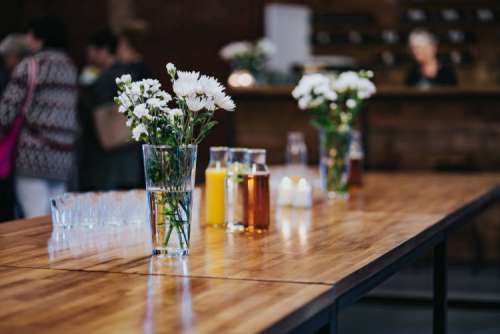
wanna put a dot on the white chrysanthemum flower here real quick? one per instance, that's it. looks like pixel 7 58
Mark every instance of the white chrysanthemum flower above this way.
pixel 171 69
pixel 366 89
pixel 210 86
pixel 129 122
pixel 333 106
pixel 308 82
pixel 325 91
pixel 351 103
pixel 343 128
pixel 138 131
pixel 225 102
pixel 188 75
pixel 151 85
pixel 266 47
pixel 235 49
pixel 125 78
pixel 157 103
pixel 141 111
pixel 175 113
pixel 186 83
pixel 124 101
pixel 162 95
pixel 195 103
pixel 352 81
pixel 210 103
pixel 135 91
pixel 304 102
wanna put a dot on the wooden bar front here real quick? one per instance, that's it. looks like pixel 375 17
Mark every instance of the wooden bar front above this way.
pixel 440 129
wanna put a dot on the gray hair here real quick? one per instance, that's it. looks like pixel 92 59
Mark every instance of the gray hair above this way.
pixel 422 35
pixel 14 43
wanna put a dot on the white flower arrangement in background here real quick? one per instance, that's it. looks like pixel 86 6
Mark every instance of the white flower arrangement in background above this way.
pixel 153 121
pixel 247 55
pixel 334 101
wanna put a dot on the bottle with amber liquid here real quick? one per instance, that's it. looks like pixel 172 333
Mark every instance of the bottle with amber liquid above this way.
pixel 356 157
pixel 256 197
pixel 215 176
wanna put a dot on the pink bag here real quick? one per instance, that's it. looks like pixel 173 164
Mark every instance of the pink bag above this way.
pixel 9 141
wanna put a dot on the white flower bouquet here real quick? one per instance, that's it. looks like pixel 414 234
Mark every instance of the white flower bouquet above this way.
pixel 154 121
pixel 334 103
pixel 247 55
pixel 171 126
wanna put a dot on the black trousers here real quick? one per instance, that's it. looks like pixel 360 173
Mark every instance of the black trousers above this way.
pixel 7 199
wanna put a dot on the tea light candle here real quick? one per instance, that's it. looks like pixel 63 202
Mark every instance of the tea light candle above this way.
pixel 285 192
pixel 303 194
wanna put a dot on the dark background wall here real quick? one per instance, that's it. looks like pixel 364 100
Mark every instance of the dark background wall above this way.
pixel 186 32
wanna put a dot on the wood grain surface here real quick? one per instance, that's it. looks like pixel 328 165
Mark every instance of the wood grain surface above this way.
pixel 60 301
pixel 328 249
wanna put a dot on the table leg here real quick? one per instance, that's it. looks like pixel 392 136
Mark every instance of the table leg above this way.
pixel 332 326
pixel 440 288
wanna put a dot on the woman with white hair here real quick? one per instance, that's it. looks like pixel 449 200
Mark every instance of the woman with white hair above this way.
pixel 428 70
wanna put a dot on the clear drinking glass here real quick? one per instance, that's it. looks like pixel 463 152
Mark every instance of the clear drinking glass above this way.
pixel 215 176
pixel 296 149
pixel 256 198
pixel 238 165
pixel 170 175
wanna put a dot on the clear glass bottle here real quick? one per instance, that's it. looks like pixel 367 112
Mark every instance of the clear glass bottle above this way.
pixel 238 165
pixel 296 149
pixel 215 176
pixel 356 157
pixel 256 197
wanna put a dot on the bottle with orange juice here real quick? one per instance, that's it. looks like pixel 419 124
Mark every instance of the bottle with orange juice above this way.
pixel 215 175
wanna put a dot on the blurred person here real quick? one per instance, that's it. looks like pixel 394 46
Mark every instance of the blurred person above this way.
pixel 108 159
pixel 42 93
pixel 90 71
pixel 12 50
pixel 130 43
pixel 428 70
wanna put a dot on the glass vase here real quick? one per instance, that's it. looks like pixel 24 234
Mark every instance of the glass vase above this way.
pixel 170 175
pixel 334 162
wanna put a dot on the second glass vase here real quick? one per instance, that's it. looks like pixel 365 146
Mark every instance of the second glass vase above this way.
pixel 334 162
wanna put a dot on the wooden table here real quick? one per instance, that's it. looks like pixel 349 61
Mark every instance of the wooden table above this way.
pixel 310 265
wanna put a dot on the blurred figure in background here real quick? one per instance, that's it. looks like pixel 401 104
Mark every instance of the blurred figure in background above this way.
pixel 130 40
pixel 428 70
pixel 90 71
pixel 108 159
pixel 44 154
pixel 12 50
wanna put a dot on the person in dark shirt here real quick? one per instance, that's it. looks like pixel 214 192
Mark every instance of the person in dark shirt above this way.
pixel 108 159
pixel 428 70
pixel 130 45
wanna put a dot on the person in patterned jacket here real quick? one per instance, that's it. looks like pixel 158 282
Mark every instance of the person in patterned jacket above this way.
pixel 44 155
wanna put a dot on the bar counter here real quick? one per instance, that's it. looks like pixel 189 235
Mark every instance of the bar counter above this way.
pixel 309 266
pixel 404 128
